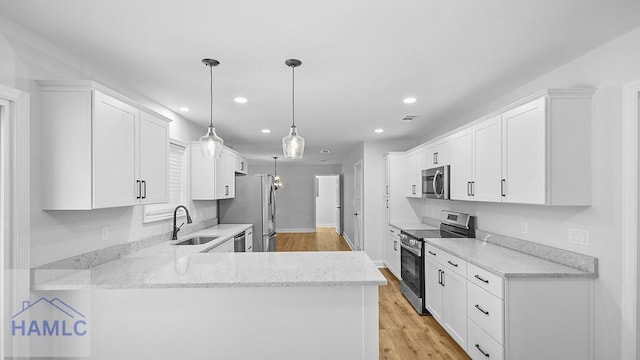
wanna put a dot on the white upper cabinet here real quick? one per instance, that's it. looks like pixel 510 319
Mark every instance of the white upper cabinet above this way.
pixel 412 180
pixel 536 152
pixel 212 179
pixel 240 165
pixel 525 151
pixel 438 153
pixel 461 172
pixel 154 159
pixel 101 149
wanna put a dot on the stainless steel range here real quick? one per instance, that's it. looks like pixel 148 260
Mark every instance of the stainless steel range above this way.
pixel 454 225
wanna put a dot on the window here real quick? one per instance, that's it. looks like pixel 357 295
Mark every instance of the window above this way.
pixel 177 185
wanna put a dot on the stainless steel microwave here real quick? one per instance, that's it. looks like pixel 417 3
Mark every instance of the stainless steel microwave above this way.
pixel 435 182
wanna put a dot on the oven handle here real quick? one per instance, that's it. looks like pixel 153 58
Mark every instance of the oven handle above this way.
pixel 411 250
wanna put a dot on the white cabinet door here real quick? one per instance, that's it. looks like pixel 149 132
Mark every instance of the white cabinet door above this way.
pixel 433 289
pixel 423 161
pixel 525 153
pixel 114 152
pixel 438 153
pixel 455 307
pixel 203 175
pixel 461 173
pixel 410 175
pixel 154 159
pixel 225 176
pixel 385 176
pixel 248 240
pixel 487 165
pixel 240 164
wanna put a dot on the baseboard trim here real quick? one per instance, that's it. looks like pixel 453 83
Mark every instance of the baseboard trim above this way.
pixel 296 230
pixel 346 238
pixel 325 225
pixel 379 263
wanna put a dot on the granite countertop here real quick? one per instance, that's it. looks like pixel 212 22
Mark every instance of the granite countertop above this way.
pixel 505 262
pixel 412 226
pixel 172 266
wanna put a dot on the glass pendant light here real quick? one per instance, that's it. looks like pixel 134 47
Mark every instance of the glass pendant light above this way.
pixel 277 183
pixel 293 144
pixel 211 143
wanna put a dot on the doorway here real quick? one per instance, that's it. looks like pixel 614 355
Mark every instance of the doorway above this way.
pixel 328 203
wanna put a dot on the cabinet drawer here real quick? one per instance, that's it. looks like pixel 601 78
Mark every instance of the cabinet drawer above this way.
pixel 227 246
pixel 485 280
pixel 394 231
pixel 454 263
pixel 481 345
pixel 486 311
pixel 432 252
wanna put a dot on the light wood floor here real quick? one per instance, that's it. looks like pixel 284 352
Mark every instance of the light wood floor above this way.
pixel 324 239
pixel 404 335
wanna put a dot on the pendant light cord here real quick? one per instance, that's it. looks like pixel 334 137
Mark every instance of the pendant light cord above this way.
pixel 293 95
pixel 211 92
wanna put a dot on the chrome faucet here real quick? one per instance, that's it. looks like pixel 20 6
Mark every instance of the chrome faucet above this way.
pixel 177 228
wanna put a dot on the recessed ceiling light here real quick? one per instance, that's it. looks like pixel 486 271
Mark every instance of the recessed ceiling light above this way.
pixel 240 100
pixel 409 100
pixel 325 151
pixel 379 131
pixel 266 131
pixel 183 109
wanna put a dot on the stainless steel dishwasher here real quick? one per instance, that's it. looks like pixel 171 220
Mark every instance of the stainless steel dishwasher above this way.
pixel 238 242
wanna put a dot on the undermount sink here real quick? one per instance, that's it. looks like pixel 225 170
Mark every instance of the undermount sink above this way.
pixel 198 240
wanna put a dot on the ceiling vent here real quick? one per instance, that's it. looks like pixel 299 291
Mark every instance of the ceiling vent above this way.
pixel 409 117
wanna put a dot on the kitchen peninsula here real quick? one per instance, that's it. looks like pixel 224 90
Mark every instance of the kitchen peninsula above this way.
pixel 168 301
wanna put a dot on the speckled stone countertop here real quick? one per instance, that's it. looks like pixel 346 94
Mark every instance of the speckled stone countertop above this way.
pixel 171 266
pixel 412 226
pixel 505 262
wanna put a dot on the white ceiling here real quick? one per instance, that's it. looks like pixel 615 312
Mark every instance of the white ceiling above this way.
pixel 360 58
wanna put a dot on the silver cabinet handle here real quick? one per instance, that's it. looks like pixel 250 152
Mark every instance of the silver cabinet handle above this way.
pixel 442 278
pixel 439 276
pixel 450 263
pixel 226 189
pixel 468 188
pixel 481 279
pixel 480 349
pixel 387 204
pixel 435 156
pixel 502 190
pixel 139 186
pixel 473 190
pixel 395 245
pixel 144 186
pixel 432 253
pixel 481 309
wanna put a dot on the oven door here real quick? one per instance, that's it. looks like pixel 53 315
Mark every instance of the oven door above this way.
pixel 411 269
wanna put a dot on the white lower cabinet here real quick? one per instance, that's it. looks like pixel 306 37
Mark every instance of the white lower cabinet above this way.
pixel 519 317
pixel 482 346
pixel 446 293
pixel 226 247
pixel 392 251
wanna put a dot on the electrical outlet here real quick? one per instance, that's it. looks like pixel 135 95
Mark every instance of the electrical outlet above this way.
pixel 105 233
pixel 578 236
pixel 524 227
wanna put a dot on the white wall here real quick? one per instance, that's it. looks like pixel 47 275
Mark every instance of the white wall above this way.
pixel 371 153
pixel 295 201
pixel 606 68
pixel 326 198
pixel 57 235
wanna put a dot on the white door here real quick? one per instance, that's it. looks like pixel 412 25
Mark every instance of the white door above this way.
pixel 461 172
pixel 524 153
pixel 114 153
pixel 339 204
pixel 487 160
pixel 357 205
pixel 154 159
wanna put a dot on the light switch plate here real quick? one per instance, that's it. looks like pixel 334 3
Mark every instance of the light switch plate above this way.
pixel 105 233
pixel 578 236
pixel 524 227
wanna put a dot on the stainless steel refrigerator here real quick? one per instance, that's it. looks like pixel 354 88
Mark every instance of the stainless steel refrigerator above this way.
pixel 255 203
